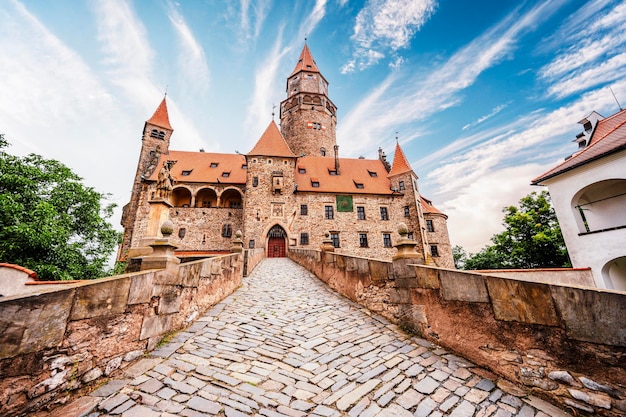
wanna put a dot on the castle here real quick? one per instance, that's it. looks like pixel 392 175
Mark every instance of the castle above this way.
pixel 290 190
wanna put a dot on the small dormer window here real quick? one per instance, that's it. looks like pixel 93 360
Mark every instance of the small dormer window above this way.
pixel 226 174
pixel 372 173
pixel 214 164
pixel 587 126
pixel 301 170
pixel 315 184
pixel 359 185
pixel 332 172
pixel 186 173
pixel 244 166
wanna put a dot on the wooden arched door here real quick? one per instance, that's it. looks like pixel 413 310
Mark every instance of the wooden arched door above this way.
pixel 276 242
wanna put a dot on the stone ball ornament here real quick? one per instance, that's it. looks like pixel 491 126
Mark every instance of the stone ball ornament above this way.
pixel 167 228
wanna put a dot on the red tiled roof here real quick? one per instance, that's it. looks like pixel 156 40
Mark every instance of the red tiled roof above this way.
pixel 400 164
pixel 305 62
pixel 428 208
pixel 272 143
pixel 199 165
pixel 608 137
pixel 160 116
pixel 351 172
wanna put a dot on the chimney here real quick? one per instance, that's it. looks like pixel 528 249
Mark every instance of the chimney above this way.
pixel 336 147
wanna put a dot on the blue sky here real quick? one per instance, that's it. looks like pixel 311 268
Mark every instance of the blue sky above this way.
pixel 483 95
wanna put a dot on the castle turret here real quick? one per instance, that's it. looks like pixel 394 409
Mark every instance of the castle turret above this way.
pixel 308 117
pixel 155 140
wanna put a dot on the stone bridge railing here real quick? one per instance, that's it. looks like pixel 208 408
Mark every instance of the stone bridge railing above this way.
pixel 564 343
pixel 61 339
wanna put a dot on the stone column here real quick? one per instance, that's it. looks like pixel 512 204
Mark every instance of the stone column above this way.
pixel 159 213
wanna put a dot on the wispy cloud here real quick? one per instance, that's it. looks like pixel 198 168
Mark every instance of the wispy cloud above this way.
pixel 385 26
pixel 126 46
pixel 481 119
pixel 421 95
pixel 256 10
pixel 593 50
pixel 192 59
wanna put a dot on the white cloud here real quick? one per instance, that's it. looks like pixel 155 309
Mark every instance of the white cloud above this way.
pixel 481 119
pixel 192 60
pixel 420 95
pixel 589 49
pixel 258 9
pixel 125 42
pixel 386 25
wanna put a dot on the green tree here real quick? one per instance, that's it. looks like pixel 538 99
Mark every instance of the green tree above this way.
pixel 532 238
pixel 50 222
pixel 460 257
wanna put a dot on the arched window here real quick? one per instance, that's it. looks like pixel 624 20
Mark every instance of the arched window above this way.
pixel 323 151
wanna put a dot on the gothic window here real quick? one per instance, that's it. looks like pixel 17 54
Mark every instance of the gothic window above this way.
pixel 387 240
pixel 334 237
pixel 430 226
pixel 328 212
pixel 384 215
pixel 360 213
pixel 226 230
pixel 304 238
pixel 363 240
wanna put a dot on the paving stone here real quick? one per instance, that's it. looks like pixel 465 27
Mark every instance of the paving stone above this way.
pixel 465 409
pixel 203 405
pixel 140 411
pixel 409 399
pixel 485 385
pixel 425 407
pixel 427 385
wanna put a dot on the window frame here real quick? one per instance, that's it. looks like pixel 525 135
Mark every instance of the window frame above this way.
pixel 334 237
pixel 329 213
pixel 387 240
pixel 227 230
pixel 384 213
pixel 360 213
pixel 304 238
pixel 363 243
pixel 430 226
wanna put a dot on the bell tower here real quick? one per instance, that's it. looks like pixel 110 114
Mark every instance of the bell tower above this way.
pixel 308 117
pixel 155 140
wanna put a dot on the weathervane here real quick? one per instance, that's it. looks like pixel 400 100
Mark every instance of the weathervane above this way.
pixel 273 107
pixel 396 137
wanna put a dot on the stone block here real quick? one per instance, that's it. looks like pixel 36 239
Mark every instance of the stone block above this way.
pixel 592 315
pixel 463 286
pixel 170 298
pixel 101 298
pixel 167 276
pixel 379 270
pixel 33 323
pixel 403 268
pixel 521 301
pixel 155 326
pixel 426 277
pixel 189 274
pixel 141 288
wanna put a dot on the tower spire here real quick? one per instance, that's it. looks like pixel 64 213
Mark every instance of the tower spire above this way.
pixel 160 117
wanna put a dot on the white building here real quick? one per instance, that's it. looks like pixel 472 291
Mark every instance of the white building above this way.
pixel 588 191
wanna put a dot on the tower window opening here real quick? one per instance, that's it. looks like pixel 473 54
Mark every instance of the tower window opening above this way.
pixel 161 134
pixel 401 185
pixel 323 151
pixel 227 230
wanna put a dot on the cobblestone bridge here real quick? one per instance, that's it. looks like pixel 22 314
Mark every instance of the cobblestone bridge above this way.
pixel 286 345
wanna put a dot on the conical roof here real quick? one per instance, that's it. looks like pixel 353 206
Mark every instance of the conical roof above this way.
pixel 272 143
pixel 305 62
pixel 160 117
pixel 400 163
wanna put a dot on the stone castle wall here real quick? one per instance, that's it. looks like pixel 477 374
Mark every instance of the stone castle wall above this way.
pixel 564 343
pixel 440 238
pixel 60 340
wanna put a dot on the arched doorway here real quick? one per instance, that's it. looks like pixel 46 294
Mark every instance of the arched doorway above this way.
pixel 614 274
pixel 276 242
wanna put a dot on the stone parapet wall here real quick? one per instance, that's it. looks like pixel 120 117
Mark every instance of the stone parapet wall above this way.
pixel 252 257
pixel 559 276
pixel 564 343
pixel 57 341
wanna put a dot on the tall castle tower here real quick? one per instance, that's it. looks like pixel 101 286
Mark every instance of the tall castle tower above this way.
pixel 155 140
pixel 308 117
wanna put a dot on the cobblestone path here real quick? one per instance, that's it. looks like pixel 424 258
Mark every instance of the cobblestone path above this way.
pixel 286 345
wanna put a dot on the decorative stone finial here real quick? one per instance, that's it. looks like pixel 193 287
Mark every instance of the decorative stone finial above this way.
pixel 403 230
pixel 237 243
pixel 167 228
pixel 327 243
pixel 238 234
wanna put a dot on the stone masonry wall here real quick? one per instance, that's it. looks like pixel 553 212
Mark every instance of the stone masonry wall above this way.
pixel 567 344
pixel 57 341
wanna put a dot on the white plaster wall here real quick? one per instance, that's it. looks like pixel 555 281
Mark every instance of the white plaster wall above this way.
pixel 597 249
